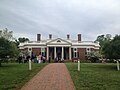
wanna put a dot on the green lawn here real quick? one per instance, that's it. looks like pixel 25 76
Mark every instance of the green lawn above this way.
pixel 95 76
pixel 14 75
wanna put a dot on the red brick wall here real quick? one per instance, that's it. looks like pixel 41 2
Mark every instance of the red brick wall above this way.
pixel 36 51
pixel 81 53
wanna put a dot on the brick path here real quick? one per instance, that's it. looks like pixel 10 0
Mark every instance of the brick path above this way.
pixel 54 76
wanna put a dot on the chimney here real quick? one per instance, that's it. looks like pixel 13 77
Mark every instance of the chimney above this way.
pixel 38 37
pixel 79 37
pixel 68 36
pixel 50 36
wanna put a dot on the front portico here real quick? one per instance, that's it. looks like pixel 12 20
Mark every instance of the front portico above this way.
pixel 59 48
pixel 61 52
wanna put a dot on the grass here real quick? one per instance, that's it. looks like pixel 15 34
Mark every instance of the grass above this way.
pixel 14 75
pixel 95 76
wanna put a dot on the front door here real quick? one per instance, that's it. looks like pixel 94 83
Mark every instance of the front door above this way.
pixel 59 52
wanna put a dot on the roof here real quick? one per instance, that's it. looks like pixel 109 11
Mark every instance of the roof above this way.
pixel 60 42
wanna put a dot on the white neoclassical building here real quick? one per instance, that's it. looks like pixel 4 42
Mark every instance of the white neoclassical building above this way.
pixel 67 49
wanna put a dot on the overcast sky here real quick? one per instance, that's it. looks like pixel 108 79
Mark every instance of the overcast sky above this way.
pixel 90 18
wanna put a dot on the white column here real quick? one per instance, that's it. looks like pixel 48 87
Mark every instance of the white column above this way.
pixel 47 53
pixel 54 52
pixel 69 53
pixel 62 52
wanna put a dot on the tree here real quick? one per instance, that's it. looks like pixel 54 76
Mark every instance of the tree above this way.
pixel 4 49
pixel 100 39
pixel 13 52
pixel 8 48
pixel 93 56
pixel 112 49
pixel 22 40
pixel 6 34
pixel 103 39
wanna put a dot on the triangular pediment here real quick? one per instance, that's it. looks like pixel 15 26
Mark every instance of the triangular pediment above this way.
pixel 58 41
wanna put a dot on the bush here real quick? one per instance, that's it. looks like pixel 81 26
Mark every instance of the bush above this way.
pixel 93 59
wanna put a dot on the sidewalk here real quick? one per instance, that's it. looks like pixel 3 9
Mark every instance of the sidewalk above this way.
pixel 54 76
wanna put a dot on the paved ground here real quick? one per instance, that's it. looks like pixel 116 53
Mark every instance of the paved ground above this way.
pixel 54 76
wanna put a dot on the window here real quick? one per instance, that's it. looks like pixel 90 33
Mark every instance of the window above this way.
pixel 43 51
pixel 75 52
pixel 29 49
pixel 75 49
pixel 88 50
pixel 58 41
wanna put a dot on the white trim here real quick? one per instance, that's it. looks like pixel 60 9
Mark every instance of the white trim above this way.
pixel 35 47
pixel 59 45
pixel 55 41
pixel 96 48
pixel 82 46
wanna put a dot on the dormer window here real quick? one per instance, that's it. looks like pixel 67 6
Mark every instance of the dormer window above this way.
pixel 58 41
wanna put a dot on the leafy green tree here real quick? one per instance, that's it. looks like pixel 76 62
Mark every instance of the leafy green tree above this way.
pixel 4 49
pixel 14 52
pixel 8 48
pixel 100 39
pixel 112 49
pixel 103 39
pixel 22 40
pixel 6 34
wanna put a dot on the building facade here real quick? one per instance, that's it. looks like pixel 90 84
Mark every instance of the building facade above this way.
pixel 66 49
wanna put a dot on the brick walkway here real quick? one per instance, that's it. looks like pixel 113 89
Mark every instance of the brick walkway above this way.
pixel 53 77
